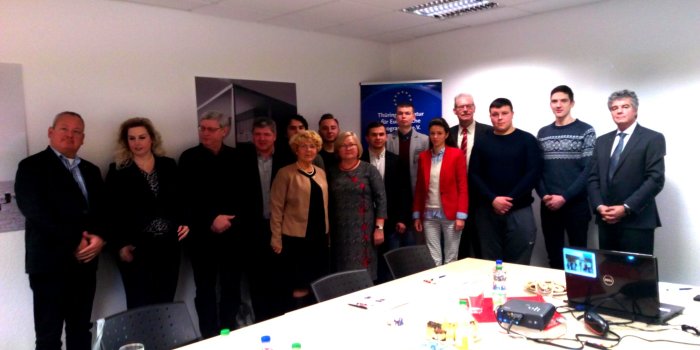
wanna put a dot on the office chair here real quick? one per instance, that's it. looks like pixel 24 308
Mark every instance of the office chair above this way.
pixel 157 327
pixel 341 283
pixel 406 261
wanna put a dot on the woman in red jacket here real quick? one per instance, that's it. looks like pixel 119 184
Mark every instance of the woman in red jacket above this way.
pixel 440 203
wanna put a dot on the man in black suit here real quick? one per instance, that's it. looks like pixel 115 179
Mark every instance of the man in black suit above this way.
pixel 259 165
pixel 61 195
pixel 210 186
pixel 398 193
pixel 627 174
pixel 465 135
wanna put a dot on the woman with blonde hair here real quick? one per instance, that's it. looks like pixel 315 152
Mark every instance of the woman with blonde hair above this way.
pixel 145 214
pixel 299 217
pixel 359 208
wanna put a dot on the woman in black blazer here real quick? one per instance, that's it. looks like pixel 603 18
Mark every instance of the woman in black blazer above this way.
pixel 145 214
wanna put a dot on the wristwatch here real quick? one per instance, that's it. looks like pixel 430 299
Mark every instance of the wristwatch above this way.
pixel 379 227
pixel 628 211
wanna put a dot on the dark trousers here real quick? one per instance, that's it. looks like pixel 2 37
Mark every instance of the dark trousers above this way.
pixel 509 237
pixel 216 261
pixel 63 297
pixel 151 278
pixel 269 296
pixel 469 244
pixel 614 237
pixel 572 219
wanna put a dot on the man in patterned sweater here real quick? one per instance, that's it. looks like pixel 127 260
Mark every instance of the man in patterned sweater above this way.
pixel 567 146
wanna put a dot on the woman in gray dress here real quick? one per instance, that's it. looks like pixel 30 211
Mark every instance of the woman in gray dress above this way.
pixel 358 208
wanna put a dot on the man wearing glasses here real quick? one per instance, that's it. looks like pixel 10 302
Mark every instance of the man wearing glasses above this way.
pixel 209 180
pixel 465 135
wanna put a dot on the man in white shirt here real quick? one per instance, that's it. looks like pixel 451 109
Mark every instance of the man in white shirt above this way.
pixel 465 136
pixel 398 191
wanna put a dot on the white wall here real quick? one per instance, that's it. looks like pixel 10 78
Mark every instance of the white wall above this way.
pixel 647 46
pixel 110 61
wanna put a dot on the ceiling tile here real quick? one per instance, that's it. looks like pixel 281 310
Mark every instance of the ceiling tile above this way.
pixel 326 15
pixel 489 16
pixel 174 4
pixel 278 7
pixel 541 6
pixel 374 26
pixel 234 12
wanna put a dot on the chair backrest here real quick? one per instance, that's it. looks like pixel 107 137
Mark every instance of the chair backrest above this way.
pixel 341 283
pixel 406 261
pixel 160 326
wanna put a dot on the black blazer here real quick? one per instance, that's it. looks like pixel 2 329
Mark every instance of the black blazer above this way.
pixel 250 188
pixel 132 204
pixel 398 191
pixel 55 210
pixel 638 179
pixel 479 131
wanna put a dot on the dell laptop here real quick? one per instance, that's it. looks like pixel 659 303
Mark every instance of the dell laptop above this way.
pixel 616 283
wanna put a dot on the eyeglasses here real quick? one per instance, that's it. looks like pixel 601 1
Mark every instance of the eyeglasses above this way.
pixel 348 146
pixel 469 107
pixel 209 129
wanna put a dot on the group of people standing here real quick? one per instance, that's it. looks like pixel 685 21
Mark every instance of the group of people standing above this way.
pixel 286 211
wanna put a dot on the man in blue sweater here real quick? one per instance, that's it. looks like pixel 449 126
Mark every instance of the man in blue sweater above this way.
pixel 567 147
pixel 505 167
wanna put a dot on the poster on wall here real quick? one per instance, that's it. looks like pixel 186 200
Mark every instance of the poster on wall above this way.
pixel 243 101
pixel 379 100
pixel 13 134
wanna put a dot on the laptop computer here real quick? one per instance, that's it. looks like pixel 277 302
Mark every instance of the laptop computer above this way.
pixel 616 283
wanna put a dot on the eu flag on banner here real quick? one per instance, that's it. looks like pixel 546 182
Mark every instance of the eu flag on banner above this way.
pixel 379 100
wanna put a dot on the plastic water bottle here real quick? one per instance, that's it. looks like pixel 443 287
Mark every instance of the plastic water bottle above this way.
pixel 266 342
pixel 499 285
pixel 463 331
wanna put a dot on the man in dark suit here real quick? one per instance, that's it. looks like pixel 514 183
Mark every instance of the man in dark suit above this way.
pixel 465 135
pixel 407 143
pixel 210 186
pixel 398 193
pixel 258 166
pixel 627 174
pixel 61 195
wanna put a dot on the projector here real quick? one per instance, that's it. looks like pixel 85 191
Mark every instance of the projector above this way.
pixel 530 314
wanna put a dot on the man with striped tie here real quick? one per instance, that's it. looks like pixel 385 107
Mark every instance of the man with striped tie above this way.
pixel 466 134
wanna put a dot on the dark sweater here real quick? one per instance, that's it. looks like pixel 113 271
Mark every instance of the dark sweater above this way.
pixel 567 152
pixel 506 165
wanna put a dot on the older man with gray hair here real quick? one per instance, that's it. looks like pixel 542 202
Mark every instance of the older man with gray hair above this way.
pixel 627 174
pixel 210 184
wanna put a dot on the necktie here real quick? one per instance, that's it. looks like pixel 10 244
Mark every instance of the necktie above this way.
pixel 463 146
pixel 77 175
pixel 615 158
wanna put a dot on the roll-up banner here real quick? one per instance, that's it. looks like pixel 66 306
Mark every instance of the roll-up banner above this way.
pixel 379 101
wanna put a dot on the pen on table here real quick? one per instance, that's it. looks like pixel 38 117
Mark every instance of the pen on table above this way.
pixel 359 306
pixel 685 288
pixel 433 279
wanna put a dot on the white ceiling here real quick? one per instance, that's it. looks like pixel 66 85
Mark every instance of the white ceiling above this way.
pixel 375 20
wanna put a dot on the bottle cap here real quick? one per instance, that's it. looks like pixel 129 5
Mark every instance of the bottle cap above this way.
pixel 296 346
pixel 225 331
pixel 462 302
pixel 265 339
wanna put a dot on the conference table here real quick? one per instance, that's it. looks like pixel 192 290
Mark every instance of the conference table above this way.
pixel 397 314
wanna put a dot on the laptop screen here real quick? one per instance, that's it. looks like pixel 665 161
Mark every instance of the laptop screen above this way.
pixel 617 283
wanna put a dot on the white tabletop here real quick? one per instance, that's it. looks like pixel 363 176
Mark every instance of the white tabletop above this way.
pixel 336 325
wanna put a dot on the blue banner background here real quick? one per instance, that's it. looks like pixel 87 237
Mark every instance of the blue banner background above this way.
pixel 379 100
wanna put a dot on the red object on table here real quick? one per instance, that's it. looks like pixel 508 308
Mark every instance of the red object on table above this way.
pixel 487 315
